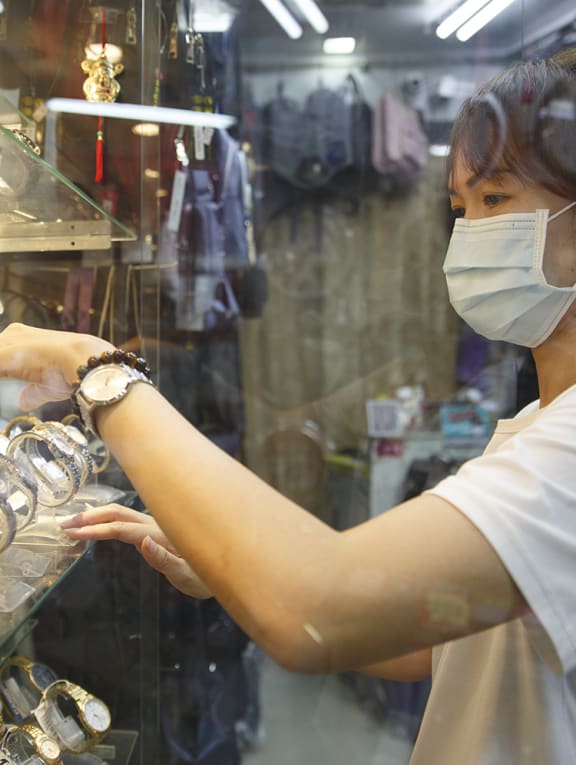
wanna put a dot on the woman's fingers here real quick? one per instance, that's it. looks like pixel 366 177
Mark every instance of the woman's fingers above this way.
pixel 174 568
pixel 112 522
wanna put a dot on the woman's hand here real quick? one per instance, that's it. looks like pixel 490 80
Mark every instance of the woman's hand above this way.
pixel 141 530
pixel 46 359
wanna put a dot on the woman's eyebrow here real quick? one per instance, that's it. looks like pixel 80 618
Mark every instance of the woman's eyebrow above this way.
pixel 498 177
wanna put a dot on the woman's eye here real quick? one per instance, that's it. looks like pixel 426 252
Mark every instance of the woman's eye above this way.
pixel 491 200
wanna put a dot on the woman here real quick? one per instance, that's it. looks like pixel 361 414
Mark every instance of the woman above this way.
pixel 482 568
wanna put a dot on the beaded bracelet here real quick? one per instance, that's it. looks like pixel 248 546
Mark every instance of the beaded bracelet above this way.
pixel 117 356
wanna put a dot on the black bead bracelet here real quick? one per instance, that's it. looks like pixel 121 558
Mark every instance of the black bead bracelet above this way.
pixel 117 356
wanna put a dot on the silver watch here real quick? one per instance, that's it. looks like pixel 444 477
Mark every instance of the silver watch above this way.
pixel 102 386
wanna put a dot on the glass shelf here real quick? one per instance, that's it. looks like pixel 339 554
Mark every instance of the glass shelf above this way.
pixel 17 624
pixel 42 211
pixel 12 118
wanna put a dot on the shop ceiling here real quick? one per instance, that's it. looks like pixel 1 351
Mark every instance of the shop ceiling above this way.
pixel 401 32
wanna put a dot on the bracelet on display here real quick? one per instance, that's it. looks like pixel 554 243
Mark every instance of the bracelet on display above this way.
pixel 98 450
pixel 48 459
pixel 18 491
pixel 7 525
pixel 75 731
pixel 78 443
pixel 28 742
pixel 117 356
pixel 19 424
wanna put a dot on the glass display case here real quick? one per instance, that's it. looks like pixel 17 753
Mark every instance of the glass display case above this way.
pixel 262 214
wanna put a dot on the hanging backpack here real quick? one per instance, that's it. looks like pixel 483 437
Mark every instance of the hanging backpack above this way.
pixel 400 146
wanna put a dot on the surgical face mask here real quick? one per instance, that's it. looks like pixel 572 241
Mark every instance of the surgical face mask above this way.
pixel 495 278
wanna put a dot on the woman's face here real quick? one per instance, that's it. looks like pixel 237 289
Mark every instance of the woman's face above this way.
pixel 503 192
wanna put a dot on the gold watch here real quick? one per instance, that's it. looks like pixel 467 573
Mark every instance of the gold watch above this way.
pixel 22 682
pixel 78 732
pixel 23 741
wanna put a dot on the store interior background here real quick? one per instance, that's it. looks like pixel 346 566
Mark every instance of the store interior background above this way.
pixel 338 298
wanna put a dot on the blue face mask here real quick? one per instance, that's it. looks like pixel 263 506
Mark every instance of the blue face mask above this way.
pixel 495 278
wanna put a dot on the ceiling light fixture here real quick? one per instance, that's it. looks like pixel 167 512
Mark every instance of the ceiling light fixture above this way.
pixel 139 112
pixel 313 15
pixel 283 17
pixel 339 45
pixel 482 18
pixel 458 17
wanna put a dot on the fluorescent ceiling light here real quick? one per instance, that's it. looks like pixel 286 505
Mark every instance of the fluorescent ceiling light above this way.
pixel 482 18
pixel 458 17
pixel 139 112
pixel 284 18
pixel 339 45
pixel 313 15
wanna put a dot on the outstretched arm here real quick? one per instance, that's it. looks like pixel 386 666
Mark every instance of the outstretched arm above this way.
pixel 315 599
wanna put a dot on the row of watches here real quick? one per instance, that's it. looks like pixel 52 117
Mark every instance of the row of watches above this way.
pixel 47 720
pixel 42 463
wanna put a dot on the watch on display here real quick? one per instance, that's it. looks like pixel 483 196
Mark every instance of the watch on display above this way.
pixel 48 459
pixel 97 448
pixel 22 683
pixel 72 715
pixel 78 442
pixel 24 742
pixel 104 385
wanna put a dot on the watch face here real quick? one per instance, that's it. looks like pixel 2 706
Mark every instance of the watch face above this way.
pixel 49 749
pixel 97 715
pixel 105 383
pixel 42 675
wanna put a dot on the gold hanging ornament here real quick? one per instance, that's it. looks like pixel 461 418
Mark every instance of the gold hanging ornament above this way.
pixel 101 84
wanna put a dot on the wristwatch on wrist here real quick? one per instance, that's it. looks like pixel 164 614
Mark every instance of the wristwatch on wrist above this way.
pixel 104 385
pixel 24 741
pixel 76 731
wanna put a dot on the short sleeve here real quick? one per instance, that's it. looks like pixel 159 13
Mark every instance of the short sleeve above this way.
pixel 522 497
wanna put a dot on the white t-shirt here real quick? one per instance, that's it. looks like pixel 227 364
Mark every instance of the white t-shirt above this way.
pixel 507 696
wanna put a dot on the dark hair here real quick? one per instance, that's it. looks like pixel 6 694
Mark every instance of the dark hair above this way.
pixel 523 120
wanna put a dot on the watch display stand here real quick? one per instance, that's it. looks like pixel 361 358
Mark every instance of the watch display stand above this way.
pixel 117 747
